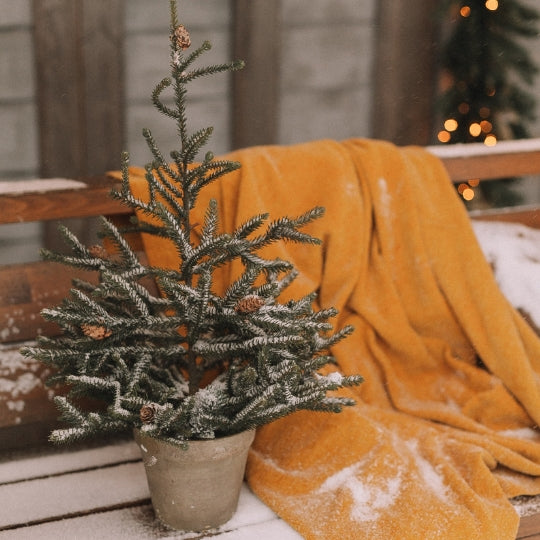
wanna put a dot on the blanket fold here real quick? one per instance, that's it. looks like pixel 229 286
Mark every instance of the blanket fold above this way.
pixel 445 428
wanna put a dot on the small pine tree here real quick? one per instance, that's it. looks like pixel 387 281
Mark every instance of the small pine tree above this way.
pixel 145 354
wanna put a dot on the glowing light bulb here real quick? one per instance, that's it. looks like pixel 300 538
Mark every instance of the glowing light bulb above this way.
pixel 450 124
pixel 492 5
pixel 473 182
pixel 486 126
pixel 475 129
pixel 490 140
pixel 468 194
pixel 443 136
pixel 465 11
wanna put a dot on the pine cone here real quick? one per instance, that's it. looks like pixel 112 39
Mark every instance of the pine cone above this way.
pixel 249 304
pixel 181 37
pixel 99 252
pixel 95 332
pixel 148 412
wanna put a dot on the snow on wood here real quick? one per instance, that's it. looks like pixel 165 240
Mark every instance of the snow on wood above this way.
pixel 59 496
pixel 253 519
pixel 62 460
pixel 270 530
pixel 513 250
pixel 464 150
pixel 39 185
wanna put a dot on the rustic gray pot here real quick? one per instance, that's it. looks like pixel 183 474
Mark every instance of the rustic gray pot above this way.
pixel 196 488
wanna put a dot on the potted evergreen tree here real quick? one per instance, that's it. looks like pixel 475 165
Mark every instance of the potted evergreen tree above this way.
pixel 146 352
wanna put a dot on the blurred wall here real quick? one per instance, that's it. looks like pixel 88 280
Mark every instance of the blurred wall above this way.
pixel 326 84
pixel 18 121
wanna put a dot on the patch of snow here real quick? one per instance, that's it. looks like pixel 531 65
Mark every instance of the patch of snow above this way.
pixel 369 495
pixel 522 433
pixel 151 461
pixel 15 405
pixel 12 361
pixel 386 198
pixel 335 377
pixel 21 386
pixel 429 474
pixel 40 185
pixel 526 505
pixel 513 250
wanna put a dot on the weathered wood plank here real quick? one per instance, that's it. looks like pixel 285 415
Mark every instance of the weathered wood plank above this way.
pixel 25 290
pixel 256 87
pixel 24 400
pixel 58 497
pixel 59 86
pixel 529 510
pixel 78 50
pixel 91 201
pixel 404 71
pixel 102 47
pixel 56 460
pixel 506 159
pixel 137 522
pixel 527 215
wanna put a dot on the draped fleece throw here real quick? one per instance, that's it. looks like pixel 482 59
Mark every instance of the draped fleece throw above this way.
pixel 445 429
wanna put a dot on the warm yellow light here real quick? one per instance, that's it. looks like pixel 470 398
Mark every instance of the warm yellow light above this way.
pixel 463 108
pixel 468 194
pixel 492 5
pixel 473 182
pixel 486 126
pixel 450 124
pixel 475 129
pixel 443 136
pixel 465 11
pixel 490 140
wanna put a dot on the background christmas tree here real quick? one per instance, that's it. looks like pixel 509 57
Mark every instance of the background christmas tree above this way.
pixel 147 355
pixel 486 71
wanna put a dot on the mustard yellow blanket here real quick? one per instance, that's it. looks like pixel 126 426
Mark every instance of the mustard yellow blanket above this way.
pixel 445 429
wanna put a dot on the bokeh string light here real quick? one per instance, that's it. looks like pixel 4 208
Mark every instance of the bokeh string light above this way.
pixel 483 64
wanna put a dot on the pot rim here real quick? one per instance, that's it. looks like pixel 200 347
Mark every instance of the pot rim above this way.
pixel 248 434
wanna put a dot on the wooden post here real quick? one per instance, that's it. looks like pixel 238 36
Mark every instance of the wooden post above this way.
pixel 404 73
pixel 256 40
pixel 79 84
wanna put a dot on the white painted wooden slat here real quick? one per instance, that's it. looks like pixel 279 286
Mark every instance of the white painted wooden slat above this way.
pixel 45 498
pixel 253 519
pixel 64 461
pixel 269 530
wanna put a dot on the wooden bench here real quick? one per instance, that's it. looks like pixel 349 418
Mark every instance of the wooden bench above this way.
pixel 48 492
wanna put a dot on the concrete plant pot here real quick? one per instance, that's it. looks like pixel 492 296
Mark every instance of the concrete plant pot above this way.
pixel 197 488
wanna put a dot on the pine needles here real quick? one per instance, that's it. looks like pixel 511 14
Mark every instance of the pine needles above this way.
pixel 147 352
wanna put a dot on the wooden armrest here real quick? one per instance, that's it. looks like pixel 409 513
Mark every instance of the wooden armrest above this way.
pixel 54 201
pixel 476 160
